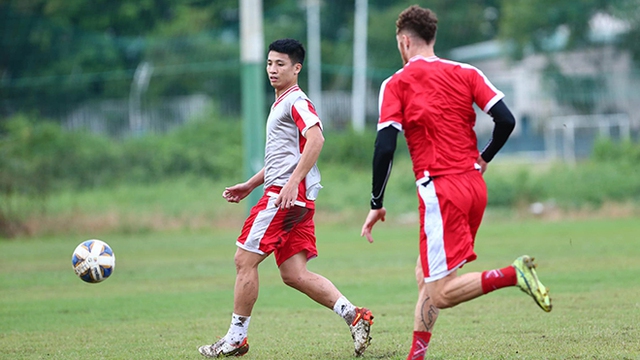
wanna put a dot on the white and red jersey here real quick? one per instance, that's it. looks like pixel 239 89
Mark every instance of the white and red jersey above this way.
pixel 431 101
pixel 292 114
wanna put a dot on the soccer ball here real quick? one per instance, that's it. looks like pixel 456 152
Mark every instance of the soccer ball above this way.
pixel 93 261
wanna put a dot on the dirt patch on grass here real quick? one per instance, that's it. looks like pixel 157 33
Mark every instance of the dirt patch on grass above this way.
pixel 91 225
pixel 551 212
pixel 546 212
pixel 11 228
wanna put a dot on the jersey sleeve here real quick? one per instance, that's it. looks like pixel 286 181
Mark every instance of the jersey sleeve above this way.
pixel 304 114
pixel 390 106
pixel 485 95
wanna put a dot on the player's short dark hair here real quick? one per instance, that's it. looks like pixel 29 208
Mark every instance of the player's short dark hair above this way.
pixel 419 21
pixel 291 47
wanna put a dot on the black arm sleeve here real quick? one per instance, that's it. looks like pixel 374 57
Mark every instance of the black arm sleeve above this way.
pixel 504 124
pixel 385 147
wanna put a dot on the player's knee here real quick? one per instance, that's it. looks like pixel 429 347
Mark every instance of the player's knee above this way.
pixel 441 302
pixel 419 279
pixel 244 261
pixel 419 274
pixel 437 297
pixel 292 280
pixel 239 261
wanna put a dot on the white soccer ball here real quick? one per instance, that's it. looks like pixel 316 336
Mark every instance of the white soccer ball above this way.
pixel 93 261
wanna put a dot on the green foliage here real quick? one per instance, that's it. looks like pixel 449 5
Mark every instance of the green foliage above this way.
pixel 349 147
pixel 512 187
pixel 590 185
pixel 611 175
pixel 205 148
pixel 44 152
pixel 355 149
pixel 37 155
pixel 534 22
pixel 38 158
pixel 59 54
pixel 625 152
pixel 501 190
pixel 459 23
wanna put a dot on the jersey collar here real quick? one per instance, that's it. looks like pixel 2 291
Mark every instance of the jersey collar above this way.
pixel 285 93
pixel 420 57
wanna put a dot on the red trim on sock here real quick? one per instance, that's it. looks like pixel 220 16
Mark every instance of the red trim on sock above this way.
pixel 499 278
pixel 419 345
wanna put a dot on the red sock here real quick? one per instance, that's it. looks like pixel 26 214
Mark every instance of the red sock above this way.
pixel 419 345
pixel 499 278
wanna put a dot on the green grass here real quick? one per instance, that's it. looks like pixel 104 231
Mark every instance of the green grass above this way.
pixel 172 291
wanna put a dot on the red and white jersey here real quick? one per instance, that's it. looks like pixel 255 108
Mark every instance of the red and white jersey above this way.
pixel 431 101
pixel 292 114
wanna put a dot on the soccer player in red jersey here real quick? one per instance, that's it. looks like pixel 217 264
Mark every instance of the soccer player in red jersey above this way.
pixel 431 101
pixel 282 221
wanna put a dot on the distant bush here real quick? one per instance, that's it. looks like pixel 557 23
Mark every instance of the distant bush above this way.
pixel 38 157
pixel 43 152
pixel 625 152
pixel 349 147
pixel 611 174
pixel 205 147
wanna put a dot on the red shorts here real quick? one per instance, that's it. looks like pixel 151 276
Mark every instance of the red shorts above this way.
pixel 451 210
pixel 283 232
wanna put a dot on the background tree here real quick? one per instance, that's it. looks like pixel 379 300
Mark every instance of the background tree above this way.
pixel 58 54
pixel 532 23
pixel 551 28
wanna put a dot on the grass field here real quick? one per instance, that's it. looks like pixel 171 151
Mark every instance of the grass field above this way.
pixel 172 291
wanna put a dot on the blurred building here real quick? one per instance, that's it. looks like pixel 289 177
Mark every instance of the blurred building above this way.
pixel 563 100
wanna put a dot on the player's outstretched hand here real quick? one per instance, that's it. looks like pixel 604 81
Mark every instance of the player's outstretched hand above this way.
pixel 372 219
pixel 235 193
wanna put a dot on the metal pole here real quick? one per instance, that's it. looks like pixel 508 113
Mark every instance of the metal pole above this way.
pixel 570 142
pixel 139 86
pixel 253 117
pixel 359 90
pixel 314 54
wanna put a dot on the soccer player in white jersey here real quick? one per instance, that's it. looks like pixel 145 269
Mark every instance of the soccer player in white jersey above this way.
pixel 282 220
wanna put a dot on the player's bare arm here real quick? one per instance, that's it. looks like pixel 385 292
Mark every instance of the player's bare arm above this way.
pixel 310 154
pixel 235 193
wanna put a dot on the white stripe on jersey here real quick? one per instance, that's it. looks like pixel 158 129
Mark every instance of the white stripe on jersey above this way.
pixel 384 124
pixel 381 94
